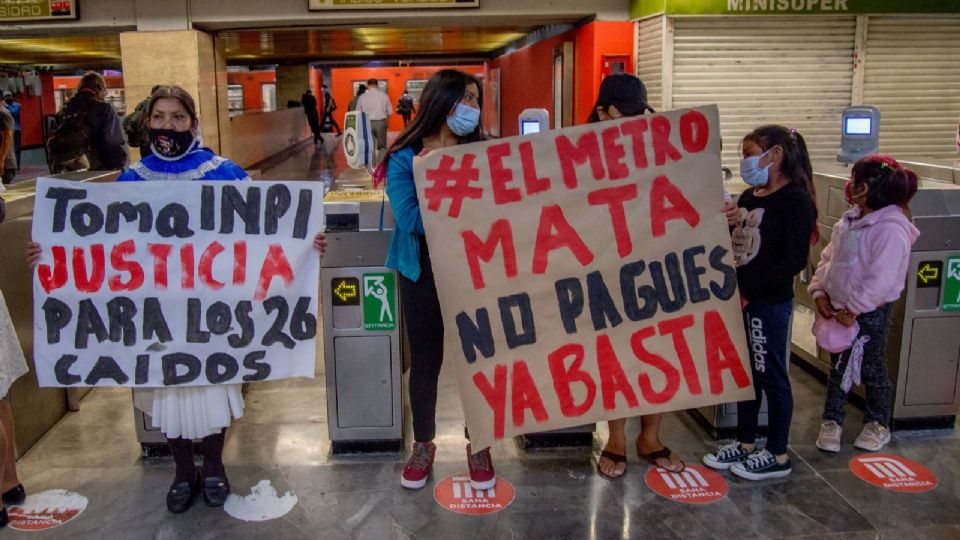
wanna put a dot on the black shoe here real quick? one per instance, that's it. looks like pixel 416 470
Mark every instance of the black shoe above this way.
pixel 4 518
pixel 15 496
pixel 181 495
pixel 215 490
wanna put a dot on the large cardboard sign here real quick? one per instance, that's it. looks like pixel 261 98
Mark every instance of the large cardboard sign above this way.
pixel 153 284
pixel 585 274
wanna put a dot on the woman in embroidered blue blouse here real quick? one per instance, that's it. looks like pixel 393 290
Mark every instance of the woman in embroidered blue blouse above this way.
pixel 187 413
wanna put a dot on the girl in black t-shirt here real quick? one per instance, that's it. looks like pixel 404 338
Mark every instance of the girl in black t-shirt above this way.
pixel 772 231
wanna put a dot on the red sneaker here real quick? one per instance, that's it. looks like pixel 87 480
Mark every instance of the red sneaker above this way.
pixel 481 469
pixel 418 467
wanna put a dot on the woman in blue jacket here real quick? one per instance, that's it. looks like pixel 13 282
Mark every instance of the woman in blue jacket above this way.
pixel 449 115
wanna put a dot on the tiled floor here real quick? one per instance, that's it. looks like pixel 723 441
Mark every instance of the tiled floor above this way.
pixel 283 438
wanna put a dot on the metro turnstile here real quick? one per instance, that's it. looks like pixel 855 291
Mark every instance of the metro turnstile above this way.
pixel 361 328
pixel 923 348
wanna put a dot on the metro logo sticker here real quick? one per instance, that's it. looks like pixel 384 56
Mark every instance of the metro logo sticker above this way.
pixel 46 510
pixel 892 472
pixel 379 301
pixel 694 485
pixel 457 495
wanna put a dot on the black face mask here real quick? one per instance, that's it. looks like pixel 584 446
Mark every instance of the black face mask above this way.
pixel 170 143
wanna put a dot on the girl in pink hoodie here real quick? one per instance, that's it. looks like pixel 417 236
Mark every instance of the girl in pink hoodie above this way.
pixel 861 272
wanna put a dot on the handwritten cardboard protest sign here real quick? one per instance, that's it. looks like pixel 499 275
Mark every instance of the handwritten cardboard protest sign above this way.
pixel 585 274
pixel 175 283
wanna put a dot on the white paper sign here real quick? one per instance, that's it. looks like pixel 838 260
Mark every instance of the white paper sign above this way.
pixel 152 284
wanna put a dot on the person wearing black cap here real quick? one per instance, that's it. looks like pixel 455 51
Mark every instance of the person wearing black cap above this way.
pixel 624 95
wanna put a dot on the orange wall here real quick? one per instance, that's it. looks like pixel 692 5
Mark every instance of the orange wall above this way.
pixel 341 84
pixel 526 81
pixel 252 81
pixel 526 75
pixel 32 109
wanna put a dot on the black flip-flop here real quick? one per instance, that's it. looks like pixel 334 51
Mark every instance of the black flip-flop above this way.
pixel 616 459
pixel 663 453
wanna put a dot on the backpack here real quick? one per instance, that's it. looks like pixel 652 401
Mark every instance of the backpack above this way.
pixel 135 127
pixel 331 104
pixel 69 139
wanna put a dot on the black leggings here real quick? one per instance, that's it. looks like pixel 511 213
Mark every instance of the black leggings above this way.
pixel 421 312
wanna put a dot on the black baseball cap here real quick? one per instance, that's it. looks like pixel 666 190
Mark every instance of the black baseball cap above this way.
pixel 625 92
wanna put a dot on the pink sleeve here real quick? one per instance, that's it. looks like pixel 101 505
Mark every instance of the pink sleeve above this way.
pixel 817 288
pixel 883 270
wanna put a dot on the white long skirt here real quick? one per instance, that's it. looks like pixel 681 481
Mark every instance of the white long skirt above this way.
pixel 197 411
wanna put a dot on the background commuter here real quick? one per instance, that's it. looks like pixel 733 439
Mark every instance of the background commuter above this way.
pixel 624 95
pixel 861 272
pixel 88 135
pixel 14 109
pixel 352 106
pixel 313 117
pixel 12 366
pixel 449 115
pixel 185 413
pixel 135 126
pixel 771 241
pixel 6 145
pixel 376 105
pixel 329 105
pixel 405 107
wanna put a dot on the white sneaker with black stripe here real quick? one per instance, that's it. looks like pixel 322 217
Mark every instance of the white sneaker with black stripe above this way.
pixel 760 465
pixel 726 456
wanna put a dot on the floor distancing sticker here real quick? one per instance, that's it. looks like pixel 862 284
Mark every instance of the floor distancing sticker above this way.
pixel 46 510
pixel 262 504
pixel 457 495
pixel 694 485
pixel 892 472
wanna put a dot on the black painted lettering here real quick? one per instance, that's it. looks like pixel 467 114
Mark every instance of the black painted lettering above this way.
pixel 154 323
pixel 302 221
pixel 207 210
pixel 475 336
pixel 57 316
pixel 221 367
pixel 276 334
pixel 527 334
pixel 130 212
pixel 62 196
pixel 62 370
pixel 277 204
pixel 303 324
pixel 261 370
pixel 569 302
pixel 142 373
pixel 106 368
pixel 672 264
pixel 120 313
pixel 248 209
pixel 693 272
pixel 171 363
pixel 174 220
pixel 602 308
pixel 194 333
pixel 729 287
pixel 242 316
pixel 89 322
pixel 86 219
pixel 219 318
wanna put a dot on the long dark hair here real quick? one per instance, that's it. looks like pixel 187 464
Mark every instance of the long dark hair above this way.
pixel 796 159
pixel 439 97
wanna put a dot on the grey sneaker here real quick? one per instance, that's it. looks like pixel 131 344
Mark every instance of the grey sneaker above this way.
pixel 873 437
pixel 829 439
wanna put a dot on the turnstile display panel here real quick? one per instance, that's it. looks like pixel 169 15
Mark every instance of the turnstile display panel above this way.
pixel 345 291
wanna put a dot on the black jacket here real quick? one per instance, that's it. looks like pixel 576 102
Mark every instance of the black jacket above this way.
pixel 309 104
pixel 107 144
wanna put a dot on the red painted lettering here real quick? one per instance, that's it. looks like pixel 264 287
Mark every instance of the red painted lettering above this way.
pixel 552 219
pixel 160 254
pixel 635 130
pixel 662 147
pixel 94 280
pixel 613 153
pixel 205 271
pixel 694 131
pixel 186 266
pixel 570 155
pixel 119 263
pixel 670 374
pixel 496 396
pixel 477 250
pixel 564 377
pixel 674 328
pixel 501 176
pixel 239 262
pixel 614 198
pixel 533 183
pixel 662 192
pixel 613 380
pixel 524 395
pixel 52 278
pixel 721 354
pixel 275 264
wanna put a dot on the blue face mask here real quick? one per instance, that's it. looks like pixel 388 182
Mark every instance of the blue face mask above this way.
pixel 751 172
pixel 463 120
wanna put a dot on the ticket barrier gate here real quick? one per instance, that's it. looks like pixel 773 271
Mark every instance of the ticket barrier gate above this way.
pixel 923 348
pixel 361 324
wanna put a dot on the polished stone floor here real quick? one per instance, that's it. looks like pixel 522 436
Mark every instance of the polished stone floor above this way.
pixel 282 437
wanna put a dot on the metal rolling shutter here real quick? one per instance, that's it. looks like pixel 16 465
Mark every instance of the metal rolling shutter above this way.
pixel 912 74
pixel 794 71
pixel 650 58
